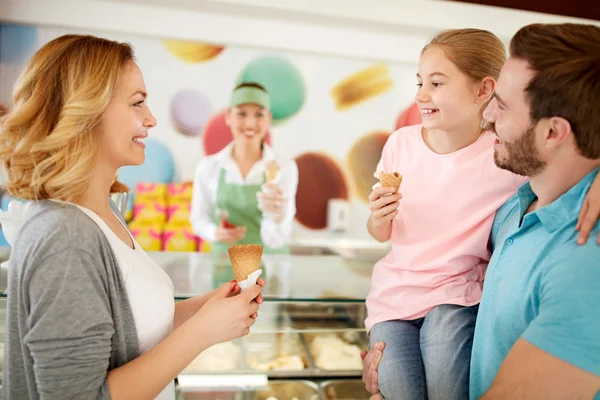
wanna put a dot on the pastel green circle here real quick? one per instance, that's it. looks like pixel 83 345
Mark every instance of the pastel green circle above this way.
pixel 283 81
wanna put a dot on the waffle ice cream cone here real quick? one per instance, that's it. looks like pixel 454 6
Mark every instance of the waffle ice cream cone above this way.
pixel 271 170
pixel 245 259
pixel 390 180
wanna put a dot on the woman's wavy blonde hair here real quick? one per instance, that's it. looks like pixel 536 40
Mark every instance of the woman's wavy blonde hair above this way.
pixel 47 140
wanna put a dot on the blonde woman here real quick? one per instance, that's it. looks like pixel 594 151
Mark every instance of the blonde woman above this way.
pixel 90 315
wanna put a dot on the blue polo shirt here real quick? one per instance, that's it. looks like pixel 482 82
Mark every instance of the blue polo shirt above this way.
pixel 540 286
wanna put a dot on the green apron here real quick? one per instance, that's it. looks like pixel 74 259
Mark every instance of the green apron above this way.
pixel 241 205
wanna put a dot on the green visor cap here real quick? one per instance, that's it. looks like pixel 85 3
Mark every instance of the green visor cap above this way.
pixel 250 95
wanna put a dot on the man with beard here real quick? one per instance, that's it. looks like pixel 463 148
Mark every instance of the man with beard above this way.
pixel 538 330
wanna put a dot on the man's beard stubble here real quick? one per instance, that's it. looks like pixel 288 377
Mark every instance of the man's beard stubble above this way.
pixel 521 156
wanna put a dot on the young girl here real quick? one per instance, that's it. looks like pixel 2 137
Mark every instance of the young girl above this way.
pixel 90 315
pixel 425 293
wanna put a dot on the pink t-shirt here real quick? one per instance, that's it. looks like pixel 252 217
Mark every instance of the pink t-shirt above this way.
pixel 439 243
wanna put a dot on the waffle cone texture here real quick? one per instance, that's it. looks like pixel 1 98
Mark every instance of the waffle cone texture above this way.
pixel 245 259
pixel 390 180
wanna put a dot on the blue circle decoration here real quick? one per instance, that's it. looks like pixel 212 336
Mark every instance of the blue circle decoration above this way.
pixel 159 166
pixel 4 202
pixel 3 242
pixel 6 199
pixel 17 43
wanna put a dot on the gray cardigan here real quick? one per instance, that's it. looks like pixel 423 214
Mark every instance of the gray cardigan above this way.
pixel 68 320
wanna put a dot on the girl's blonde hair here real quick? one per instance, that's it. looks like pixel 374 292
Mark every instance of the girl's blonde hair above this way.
pixel 47 140
pixel 477 53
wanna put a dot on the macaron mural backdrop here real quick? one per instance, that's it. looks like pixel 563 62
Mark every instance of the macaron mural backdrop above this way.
pixel 332 115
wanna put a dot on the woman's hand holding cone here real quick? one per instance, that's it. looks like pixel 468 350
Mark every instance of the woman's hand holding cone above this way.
pixel 237 290
pixel 229 318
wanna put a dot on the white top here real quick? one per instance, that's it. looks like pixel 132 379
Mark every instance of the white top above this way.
pixel 150 291
pixel 206 182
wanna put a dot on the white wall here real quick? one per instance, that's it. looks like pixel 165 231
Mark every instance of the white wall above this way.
pixel 373 29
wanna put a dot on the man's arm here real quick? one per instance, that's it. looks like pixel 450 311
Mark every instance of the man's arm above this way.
pixel 530 373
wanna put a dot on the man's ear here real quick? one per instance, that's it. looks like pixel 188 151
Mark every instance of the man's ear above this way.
pixel 557 132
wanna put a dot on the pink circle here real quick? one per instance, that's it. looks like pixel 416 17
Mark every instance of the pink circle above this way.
pixel 217 134
pixel 410 116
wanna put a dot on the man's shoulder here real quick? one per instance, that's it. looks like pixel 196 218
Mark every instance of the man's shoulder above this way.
pixel 563 247
pixel 563 263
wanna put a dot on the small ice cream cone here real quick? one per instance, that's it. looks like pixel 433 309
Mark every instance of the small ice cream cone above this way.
pixel 390 180
pixel 245 259
pixel 271 170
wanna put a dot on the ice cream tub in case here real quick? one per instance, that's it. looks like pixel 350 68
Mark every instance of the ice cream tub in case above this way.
pixel 336 350
pixel 280 353
pixel 289 390
pixel 351 389
pixel 274 390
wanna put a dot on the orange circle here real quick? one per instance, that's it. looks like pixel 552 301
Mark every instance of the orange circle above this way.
pixel 362 161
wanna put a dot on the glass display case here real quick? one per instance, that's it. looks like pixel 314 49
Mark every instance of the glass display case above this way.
pixel 306 342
